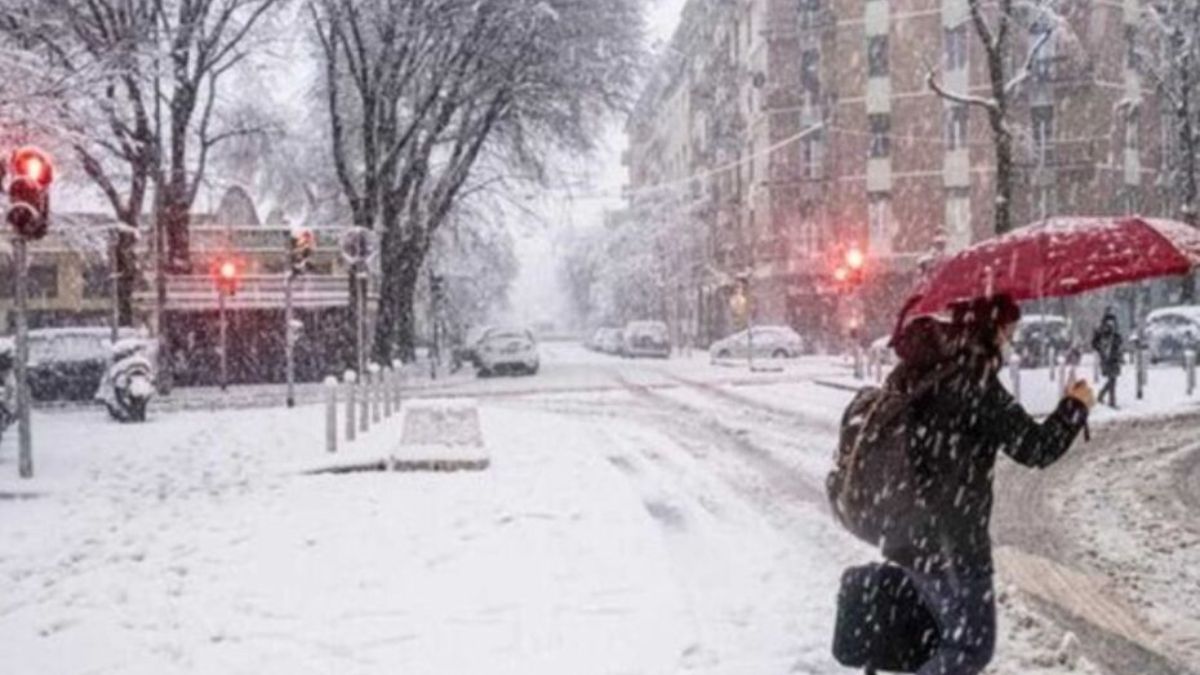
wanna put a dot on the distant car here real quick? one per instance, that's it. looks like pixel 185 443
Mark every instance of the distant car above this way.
pixel 67 364
pixel 507 350
pixel 1038 335
pixel 467 351
pixel 777 342
pixel 645 339
pixel 882 349
pixel 608 340
pixel 1171 331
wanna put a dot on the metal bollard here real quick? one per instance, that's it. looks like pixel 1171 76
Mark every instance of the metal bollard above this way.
pixel 858 362
pixel 1142 375
pixel 1014 372
pixel 331 387
pixel 398 366
pixel 1062 373
pixel 1189 362
pixel 386 387
pixel 364 409
pixel 350 379
pixel 1053 362
pixel 377 387
pixel 1096 369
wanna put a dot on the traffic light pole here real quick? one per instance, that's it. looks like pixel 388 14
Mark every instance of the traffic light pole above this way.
pixel 289 338
pixel 224 321
pixel 24 431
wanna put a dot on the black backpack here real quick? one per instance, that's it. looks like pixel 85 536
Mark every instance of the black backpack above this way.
pixel 870 489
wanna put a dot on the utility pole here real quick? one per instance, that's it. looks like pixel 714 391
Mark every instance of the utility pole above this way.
pixel 24 432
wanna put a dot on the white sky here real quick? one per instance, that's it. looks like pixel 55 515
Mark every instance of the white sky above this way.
pixel 537 295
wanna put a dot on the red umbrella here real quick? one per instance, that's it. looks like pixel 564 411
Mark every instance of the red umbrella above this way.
pixel 1059 257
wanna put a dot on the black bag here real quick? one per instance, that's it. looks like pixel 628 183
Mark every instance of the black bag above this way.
pixel 882 624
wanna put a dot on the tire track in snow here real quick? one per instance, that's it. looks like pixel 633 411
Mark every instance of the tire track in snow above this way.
pixel 1041 551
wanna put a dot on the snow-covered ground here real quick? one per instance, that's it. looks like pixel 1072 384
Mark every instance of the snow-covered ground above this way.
pixel 648 522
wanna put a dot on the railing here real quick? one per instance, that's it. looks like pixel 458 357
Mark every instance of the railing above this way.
pixel 1059 154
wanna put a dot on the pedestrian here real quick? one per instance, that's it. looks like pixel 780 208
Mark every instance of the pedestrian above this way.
pixel 1107 342
pixel 955 428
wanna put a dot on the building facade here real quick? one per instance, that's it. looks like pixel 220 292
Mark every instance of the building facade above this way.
pixel 808 126
pixel 71 284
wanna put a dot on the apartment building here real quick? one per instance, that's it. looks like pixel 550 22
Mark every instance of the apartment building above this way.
pixel 835 139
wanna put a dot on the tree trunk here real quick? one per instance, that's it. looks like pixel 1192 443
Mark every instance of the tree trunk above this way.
pixel 127 275
pixel 1005 180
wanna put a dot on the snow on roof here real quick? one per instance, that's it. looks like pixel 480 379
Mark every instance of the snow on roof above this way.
pixel 1189 311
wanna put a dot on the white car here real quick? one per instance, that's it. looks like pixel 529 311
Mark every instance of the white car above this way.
pixel 1171 331
pixel 507 350
pixel 776 342
pixel 645 338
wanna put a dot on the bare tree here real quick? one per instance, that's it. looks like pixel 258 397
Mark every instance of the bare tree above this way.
pixel 419 91
pixel 1166 49
pixel 1002 27
pixel 141 56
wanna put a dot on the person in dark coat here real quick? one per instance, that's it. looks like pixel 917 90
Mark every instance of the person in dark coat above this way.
pixel 954 431
pixel 1107 342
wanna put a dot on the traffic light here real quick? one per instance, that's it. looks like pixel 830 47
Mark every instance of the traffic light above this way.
pixel 856 263
pixel 227 274
pixel 29 192
pixel 301 243
pixel 851 270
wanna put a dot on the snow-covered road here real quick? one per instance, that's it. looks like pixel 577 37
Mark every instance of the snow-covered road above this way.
pixel 637 517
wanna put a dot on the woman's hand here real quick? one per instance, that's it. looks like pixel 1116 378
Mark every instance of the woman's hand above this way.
pixel 1081 391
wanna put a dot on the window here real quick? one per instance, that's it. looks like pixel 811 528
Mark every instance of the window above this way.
pixel 810 75
pixel 879 215
pixel 812 154
pixel 881 129
pixel 1043 60
pixel 1132 120
pixel 877 56
pixel 1131 59
pixel 97 281
pixel 1045 202
pixel 955 45
pixel 956 126
pixel 1042 118
pixel 810 13
pixel 958 219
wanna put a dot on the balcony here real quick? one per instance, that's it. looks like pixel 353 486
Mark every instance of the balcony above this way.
pixel 1060 154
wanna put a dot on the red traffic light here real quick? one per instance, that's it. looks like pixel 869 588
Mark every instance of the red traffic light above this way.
pixel 226 273
pixel 33 164
pixel 855 258
pixel 28 196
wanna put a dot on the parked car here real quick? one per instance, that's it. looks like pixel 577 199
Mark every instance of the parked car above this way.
pixel 1038 335
pixel 609 340
pixel 645 338
pixel 507 350
pixel 467 352
pixel 1171 331
pixel 69 363
pixel 777 342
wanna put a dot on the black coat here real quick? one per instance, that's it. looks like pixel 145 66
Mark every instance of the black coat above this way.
pixel 955 432
pixel 1107 343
